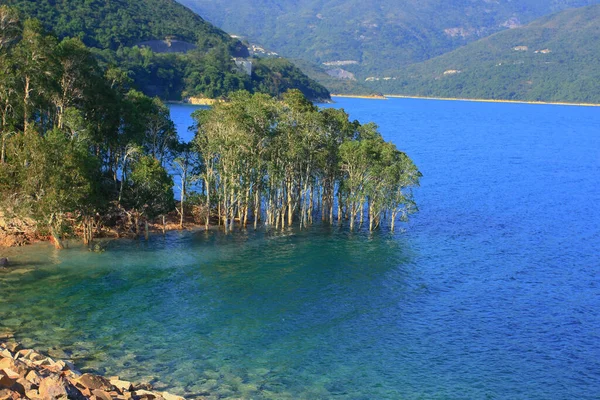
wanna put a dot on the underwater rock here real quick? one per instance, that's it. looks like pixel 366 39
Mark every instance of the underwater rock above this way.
pixel 26 374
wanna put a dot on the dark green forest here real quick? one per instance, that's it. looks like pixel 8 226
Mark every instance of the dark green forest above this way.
pixel 124 23
pixel 115 30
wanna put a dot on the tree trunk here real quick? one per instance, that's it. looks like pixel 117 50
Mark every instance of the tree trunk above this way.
pixel 219 212
pixel 136 223
pixel 246 208
pixel 330 212
pixel 182 198
pixel 58 244
pixel 146 233
pixel 361 208
pixel 232 211
pixel 323 204
pixel 256 208
pixel 88 230
pixel 290 205
pixel 207 205
pixel 310 206
pixel 122 180
pixel 3 148
pixel 26 104
pixel 4 135
pixel 56 240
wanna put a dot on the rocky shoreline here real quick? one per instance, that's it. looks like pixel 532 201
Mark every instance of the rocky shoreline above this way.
pixel 28 374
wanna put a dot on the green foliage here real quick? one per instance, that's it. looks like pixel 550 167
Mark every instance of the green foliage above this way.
pixel 288 156
pixel 553 59
pixel 77 141
pixel 213 75
pixel 277 75
pixel 150 190
pixel 120 23
pixel 67 130
pixel 117 30
pixel 380 35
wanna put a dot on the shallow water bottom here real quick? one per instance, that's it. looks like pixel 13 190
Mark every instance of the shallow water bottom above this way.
pixel 318 314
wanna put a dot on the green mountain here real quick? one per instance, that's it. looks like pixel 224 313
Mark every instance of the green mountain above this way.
pixel 124 32
pixel 111 24
pixel 555 58
pixel 367 38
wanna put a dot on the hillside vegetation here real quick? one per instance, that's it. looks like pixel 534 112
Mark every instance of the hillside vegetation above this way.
pixel 114 28
pixel 115 23
pixel 555 58
pixel 377 35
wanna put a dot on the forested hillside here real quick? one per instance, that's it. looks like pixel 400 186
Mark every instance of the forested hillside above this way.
pixel 114 28
pixel 111 24
pixel 369 38
pixel 555 58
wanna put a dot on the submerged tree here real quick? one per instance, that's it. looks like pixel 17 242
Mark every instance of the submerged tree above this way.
pixel 150 192
pixel 282 161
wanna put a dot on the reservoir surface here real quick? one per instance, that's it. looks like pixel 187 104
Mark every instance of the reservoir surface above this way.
pixel 491 291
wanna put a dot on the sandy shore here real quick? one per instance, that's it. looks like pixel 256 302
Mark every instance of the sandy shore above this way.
pixel 359 96
pixel 399 96
pixel 396 96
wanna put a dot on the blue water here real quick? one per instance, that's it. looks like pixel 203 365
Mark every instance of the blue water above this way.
pixel 492 291
pixel 181 116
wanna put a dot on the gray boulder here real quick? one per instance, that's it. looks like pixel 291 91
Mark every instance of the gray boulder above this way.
pixel 3 262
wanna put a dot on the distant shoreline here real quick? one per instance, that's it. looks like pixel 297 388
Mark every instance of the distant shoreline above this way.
pixel 399 96
pixel 396 96
pixel 361 96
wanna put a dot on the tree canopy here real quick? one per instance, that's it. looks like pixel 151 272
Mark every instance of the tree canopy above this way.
pixel 283 161
pixel 75 140
pixel 80 148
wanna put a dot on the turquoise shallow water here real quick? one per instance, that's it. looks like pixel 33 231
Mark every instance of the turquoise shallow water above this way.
pixel 492 291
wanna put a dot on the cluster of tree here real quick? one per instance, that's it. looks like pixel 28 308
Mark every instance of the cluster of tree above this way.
pixel 278 75
pixel 79 147
pixel 116 29
pixel 284 161
pixel 211 74
pixel 76 141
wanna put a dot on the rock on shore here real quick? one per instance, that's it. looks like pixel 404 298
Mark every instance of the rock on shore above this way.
pixel 27 374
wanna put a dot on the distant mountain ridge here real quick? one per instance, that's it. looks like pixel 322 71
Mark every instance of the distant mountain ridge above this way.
pixel 555 58
pixel 375 36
